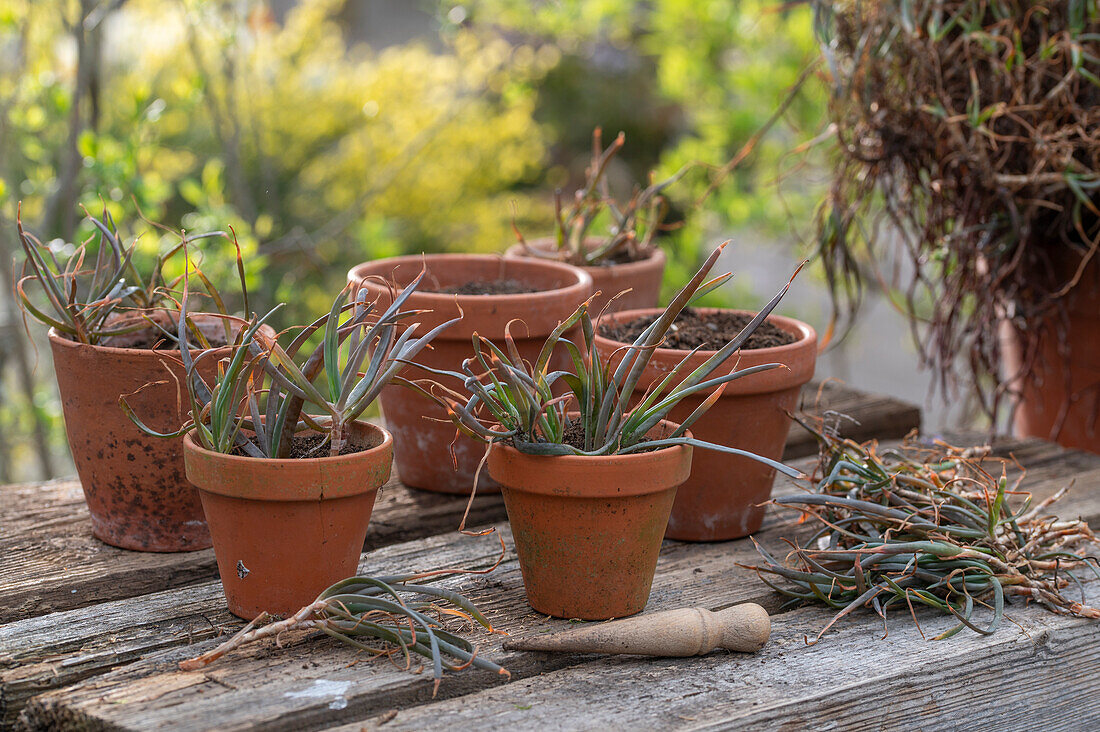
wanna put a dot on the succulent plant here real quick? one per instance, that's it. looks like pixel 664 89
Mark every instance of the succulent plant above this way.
pixel 360 609
pixel 256 403
pixel 632 227
pixel 89 303
pixel 508 398
pixel 928 525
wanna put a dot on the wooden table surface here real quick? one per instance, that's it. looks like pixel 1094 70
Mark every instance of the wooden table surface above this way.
pixel 90 636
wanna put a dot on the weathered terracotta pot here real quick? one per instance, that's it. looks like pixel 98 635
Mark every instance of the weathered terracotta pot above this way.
pixel 134 484
pixel 588 529
pixel 423 437
pixel 1050 407
pixel 643 278
pixel 723 497
pixel 284 530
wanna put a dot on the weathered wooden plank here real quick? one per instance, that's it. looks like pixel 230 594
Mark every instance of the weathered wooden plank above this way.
pixel 261 679
pixel 50 562
pixel 1038 672
pixel 869 416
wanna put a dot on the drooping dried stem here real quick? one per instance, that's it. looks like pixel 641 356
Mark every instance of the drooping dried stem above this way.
pixel 928 525
pixel 968 163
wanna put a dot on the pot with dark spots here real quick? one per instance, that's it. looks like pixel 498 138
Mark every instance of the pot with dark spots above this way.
pixel 428 452
pixel 134 484
pixel 642 277
pixel 285 529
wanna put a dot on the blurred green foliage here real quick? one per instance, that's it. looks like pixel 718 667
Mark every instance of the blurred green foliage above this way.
pixel 321 152
pixel 687 80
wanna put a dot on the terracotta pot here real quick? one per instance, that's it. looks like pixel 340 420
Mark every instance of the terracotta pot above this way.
pixel 134 484
pixel 723 497
pixel 423 437
pixel 588 529
pixel 1050 407
pixel 643 278
pixel 284 530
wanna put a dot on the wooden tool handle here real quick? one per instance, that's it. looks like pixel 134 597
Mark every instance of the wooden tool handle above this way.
pixel 684 632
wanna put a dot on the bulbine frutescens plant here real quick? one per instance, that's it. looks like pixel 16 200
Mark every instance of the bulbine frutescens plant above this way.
pixel 256 403
pixel 632 226
pixel 86 301
pixel 511 399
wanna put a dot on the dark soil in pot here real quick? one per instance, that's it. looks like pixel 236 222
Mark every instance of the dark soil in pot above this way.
pixel 709 330
pixel 493 287
pixel 723 499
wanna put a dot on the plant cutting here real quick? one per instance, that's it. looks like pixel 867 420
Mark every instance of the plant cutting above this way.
pixel 288 491
pixel 971 128
pixel 626 257
pixel 725 495
pixel 488 292
pixel 112 332
pixel 928 525
pixel 371 614
pixel 589 480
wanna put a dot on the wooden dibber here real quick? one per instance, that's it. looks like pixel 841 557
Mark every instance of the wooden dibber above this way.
pixel 685 632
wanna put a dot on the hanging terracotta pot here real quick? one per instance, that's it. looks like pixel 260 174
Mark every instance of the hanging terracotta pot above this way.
pixel 285 529
pixel 642 278
pixel 134 484
pixel 424 439
pixel 588 529
pixel 1055 402
pixel 723 499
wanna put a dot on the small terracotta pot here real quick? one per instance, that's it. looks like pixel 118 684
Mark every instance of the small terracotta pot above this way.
pixel 1050 407
pixel 423 436
pixel 134 484
pixel 284 530
pixel 723 499
pixel 643 278
pixel 588 529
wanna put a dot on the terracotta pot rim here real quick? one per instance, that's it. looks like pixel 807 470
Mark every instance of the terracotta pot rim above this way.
pixel 582 286
pixel 63 341
pixel 652 462
pixel 316 466
pixel 805 331
pixel 656 258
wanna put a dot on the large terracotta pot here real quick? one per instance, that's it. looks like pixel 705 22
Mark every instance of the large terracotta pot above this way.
pixel 723 499
pixel 286 529
pixel 588 529
pixel 423 437
pixel 134 484
pixel 1056 403
pixel 642 278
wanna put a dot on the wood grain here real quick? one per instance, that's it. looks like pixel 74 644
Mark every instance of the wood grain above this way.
pixel 1037 673
pixel 49 560
pixel 270 688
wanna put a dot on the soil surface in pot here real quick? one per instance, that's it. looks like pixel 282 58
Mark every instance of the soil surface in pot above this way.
pixel 574 437
pixel 709 331
pixel 155 340
pixel 310 446
pixel 493 287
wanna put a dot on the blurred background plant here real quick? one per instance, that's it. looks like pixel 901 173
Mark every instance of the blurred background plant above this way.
pixel 327 132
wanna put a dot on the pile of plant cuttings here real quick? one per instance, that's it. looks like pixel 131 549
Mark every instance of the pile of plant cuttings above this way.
pixel 938 526
pixel 375 616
